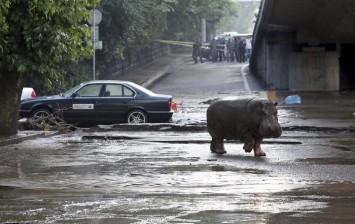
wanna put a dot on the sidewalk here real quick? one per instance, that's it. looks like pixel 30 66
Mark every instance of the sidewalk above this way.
pixel 25 135
pixel 155 70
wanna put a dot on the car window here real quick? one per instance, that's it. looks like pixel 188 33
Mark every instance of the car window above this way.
pixel 127 92
pixel 90 91
pixel 118 90
pixel 141 89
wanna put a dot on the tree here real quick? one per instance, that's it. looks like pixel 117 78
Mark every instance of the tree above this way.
pixel 128 26
pixel 184 21
pixel 36 36
pixel 244 22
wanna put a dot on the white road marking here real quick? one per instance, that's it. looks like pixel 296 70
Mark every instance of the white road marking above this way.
pixel 246 84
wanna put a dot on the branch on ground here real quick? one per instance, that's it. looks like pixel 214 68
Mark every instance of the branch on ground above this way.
pixel 52 122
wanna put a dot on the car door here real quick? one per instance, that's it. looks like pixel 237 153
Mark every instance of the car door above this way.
pixel 83 105
pixel 116 101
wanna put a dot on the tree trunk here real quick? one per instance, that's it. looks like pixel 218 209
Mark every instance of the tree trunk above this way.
pixel 10 94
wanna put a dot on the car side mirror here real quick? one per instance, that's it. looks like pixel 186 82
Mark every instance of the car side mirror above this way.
pixel 74 95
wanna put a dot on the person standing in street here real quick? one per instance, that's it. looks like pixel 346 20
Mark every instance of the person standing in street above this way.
pixel 236 49
pixel 230 54
pixel 248 48
pixel 220 45
pixel 242 50
pixel 213 50
pixel 196 51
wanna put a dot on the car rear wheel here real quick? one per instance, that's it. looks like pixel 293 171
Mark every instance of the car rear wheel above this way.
pixel 137 117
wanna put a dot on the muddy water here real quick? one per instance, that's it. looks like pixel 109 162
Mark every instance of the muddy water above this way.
pixel 70 179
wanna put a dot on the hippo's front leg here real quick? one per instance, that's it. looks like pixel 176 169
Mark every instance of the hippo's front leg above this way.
pixel 257 148
pixel 217 146
pixel 249 142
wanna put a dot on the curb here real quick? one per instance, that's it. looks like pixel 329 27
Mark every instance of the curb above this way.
pixel 203 128
pixel 23 136
pixel 168 68
pixel 157 76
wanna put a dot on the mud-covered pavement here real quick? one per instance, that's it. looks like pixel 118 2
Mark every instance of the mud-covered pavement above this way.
pixel 165 173
pixel 121 176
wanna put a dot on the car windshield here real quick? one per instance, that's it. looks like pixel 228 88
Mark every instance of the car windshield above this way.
pixel 72 90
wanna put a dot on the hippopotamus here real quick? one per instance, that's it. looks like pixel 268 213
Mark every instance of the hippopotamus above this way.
pixel 246 120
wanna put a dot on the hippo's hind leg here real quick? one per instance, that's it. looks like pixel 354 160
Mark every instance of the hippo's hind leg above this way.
pixel 249 142
pixel 257 148
pixel 217 146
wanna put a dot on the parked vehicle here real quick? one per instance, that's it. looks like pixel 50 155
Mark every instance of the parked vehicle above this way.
pixel 103 102
pixel 28 92
pixel 206 51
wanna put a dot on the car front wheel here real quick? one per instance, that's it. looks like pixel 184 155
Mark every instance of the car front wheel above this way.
pixel 41 116
pixel 137 117
pixel 40 113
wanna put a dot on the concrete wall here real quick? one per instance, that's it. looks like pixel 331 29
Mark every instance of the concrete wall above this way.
pixel 314 71
pixel 270 63
pixel 279 46
pixel 285 27
pixel 278 67
pixel 258 62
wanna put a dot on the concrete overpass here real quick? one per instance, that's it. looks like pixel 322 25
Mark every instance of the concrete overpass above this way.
pixel 305 45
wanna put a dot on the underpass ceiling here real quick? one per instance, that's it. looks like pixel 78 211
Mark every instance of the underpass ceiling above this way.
pixel 330 20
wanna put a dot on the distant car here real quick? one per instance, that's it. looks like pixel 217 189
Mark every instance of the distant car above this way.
pixel 28 92
pixel 103 102
pixel 206 51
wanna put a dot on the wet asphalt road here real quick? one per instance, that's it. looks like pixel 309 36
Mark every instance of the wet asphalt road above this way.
pixel 113 175
pixel 169 177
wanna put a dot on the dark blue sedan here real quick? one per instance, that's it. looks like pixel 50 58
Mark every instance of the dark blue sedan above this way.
pixel 103 102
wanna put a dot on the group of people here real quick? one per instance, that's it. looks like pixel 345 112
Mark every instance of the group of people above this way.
pixel 233 49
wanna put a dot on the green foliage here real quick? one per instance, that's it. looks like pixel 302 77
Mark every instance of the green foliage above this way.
pixel 38 35
pixel 184 22
pixel 4 7
pixel 47 40
pixel 129 26
pixel 244 22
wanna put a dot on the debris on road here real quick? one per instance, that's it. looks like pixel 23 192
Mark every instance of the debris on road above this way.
pixel 293 99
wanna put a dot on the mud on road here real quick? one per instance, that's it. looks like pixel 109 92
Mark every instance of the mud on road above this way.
pixel 166 176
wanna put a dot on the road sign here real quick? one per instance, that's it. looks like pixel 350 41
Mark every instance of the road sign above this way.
pixel 95 34
pixel 95 17
pixel 98 45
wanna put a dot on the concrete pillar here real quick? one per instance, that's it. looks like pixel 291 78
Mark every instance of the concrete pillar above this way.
pixel 203 30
